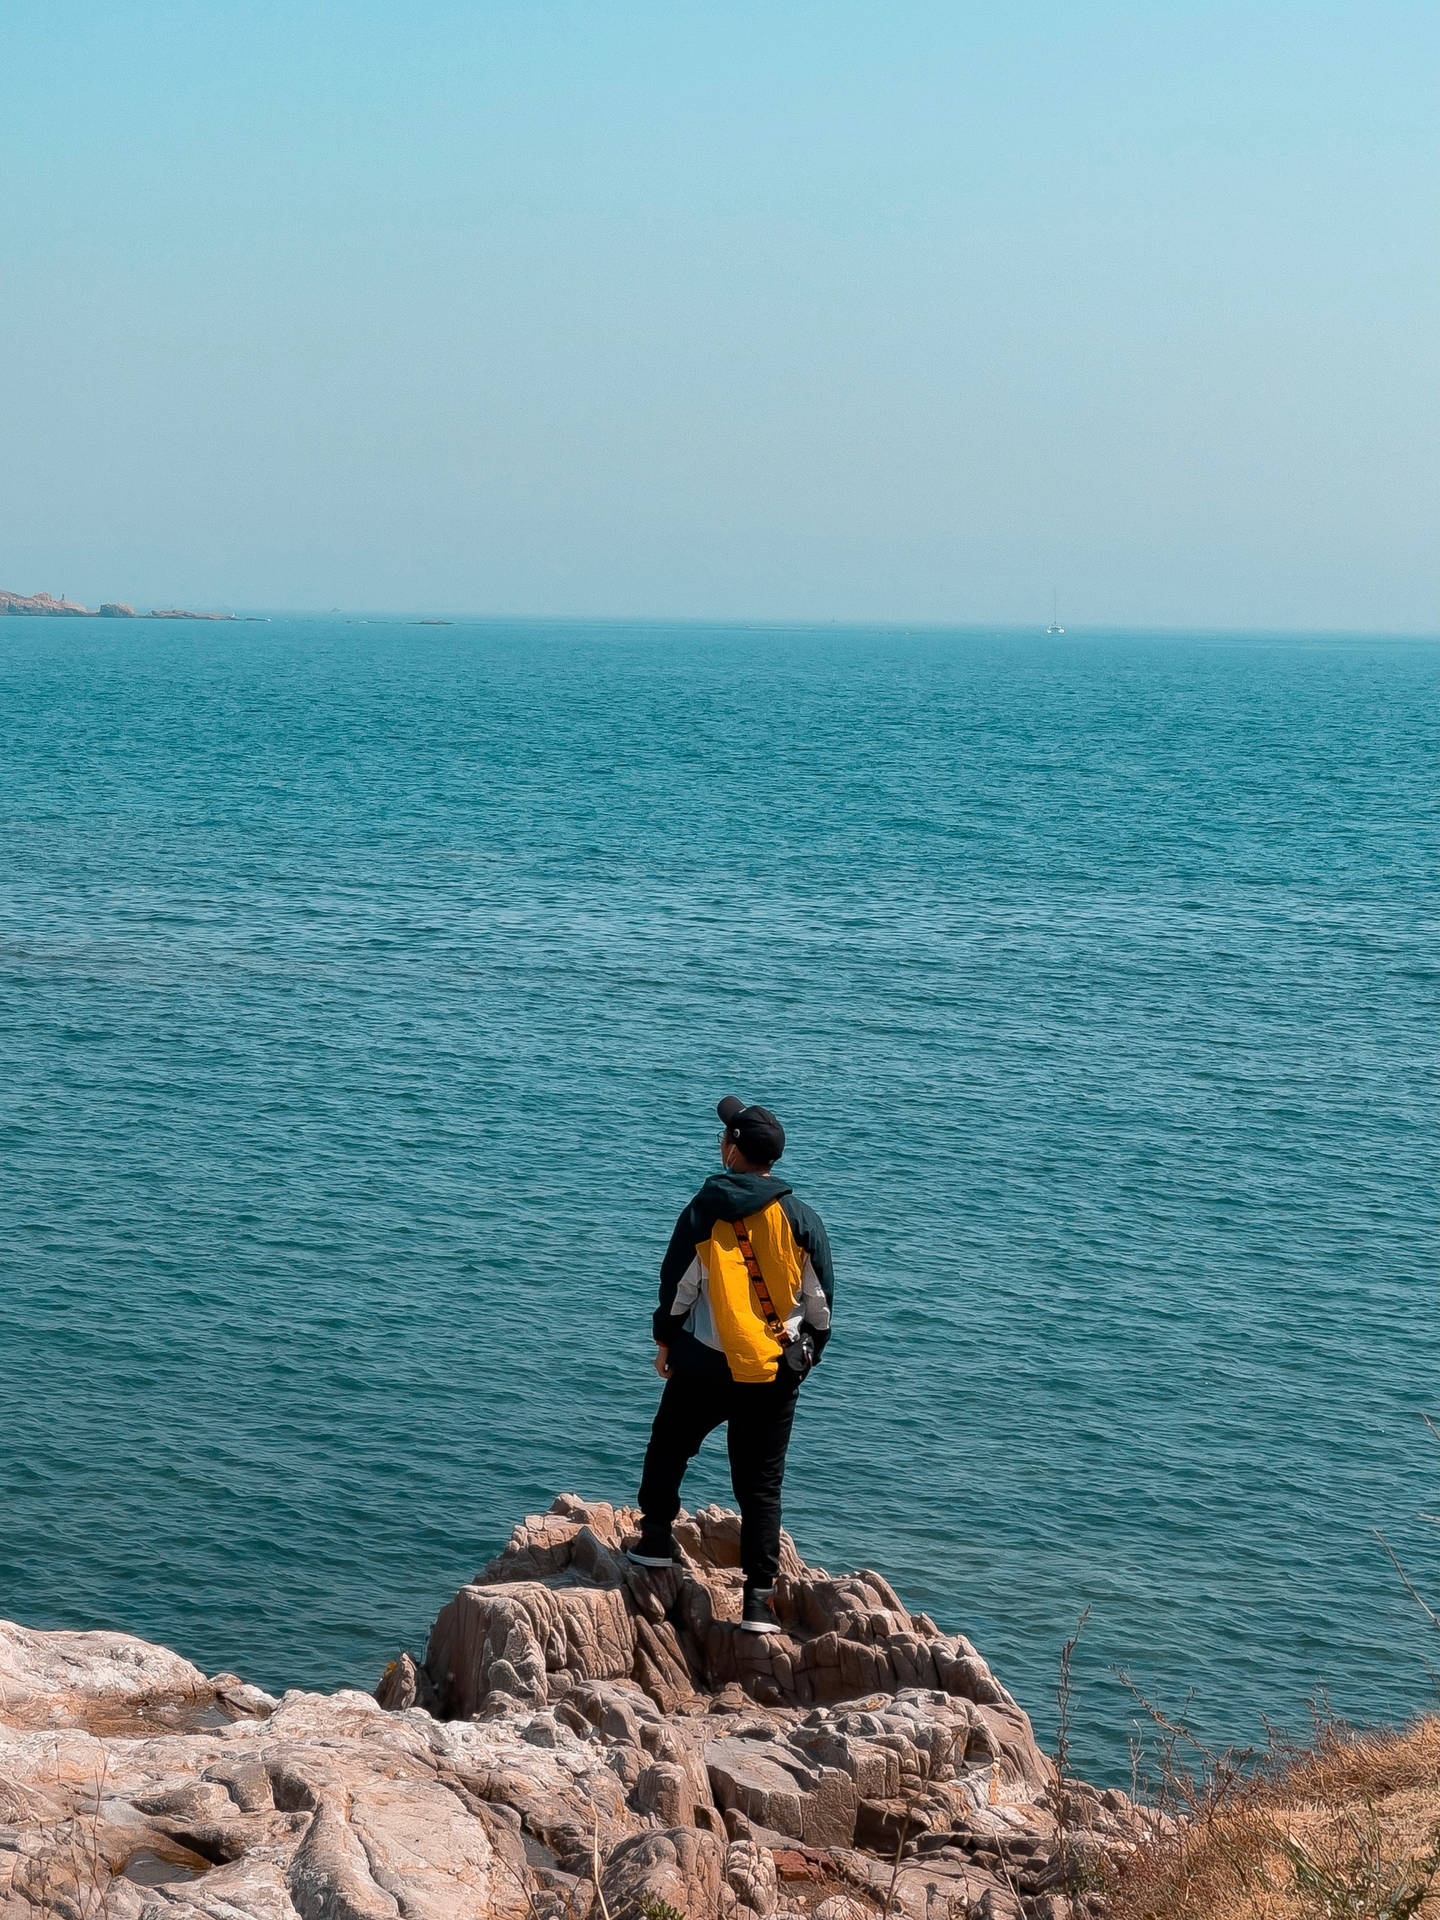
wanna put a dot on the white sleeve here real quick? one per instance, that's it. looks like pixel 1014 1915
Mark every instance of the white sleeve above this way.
pixel 688 1291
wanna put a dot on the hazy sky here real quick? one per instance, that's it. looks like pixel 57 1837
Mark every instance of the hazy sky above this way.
pixel 883 311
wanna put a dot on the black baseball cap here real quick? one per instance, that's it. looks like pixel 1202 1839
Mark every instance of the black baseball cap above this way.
pixel 755 1130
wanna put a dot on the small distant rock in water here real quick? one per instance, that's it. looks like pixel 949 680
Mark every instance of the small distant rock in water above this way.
pixel 184 613
pixel 582 1738
pixel 116 610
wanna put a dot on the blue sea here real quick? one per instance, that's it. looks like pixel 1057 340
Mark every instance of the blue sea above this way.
pixel 366 990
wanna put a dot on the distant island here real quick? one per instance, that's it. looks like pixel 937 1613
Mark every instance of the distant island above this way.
pixel 46 606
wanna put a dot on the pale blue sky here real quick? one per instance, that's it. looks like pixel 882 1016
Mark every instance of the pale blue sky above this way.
pixel 885 311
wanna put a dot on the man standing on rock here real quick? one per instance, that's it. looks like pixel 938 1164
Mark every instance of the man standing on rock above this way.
pixel 745 1293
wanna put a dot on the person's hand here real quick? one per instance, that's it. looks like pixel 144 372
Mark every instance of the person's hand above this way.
pixel 662 1362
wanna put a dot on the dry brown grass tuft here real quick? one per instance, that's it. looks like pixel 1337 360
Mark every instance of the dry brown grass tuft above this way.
pixel 1348 1829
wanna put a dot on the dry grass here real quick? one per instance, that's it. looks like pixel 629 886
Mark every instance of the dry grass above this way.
pixel 1347 1829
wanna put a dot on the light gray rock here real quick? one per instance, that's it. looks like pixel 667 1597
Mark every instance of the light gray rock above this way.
pixel 508 1637
pixel 74 1679
pixel 776 1787
pixel 751 1876
pixel 330 1877
pixel 684 1868
pixel 663 1791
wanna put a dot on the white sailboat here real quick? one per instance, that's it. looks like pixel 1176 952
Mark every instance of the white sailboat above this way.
pixel 1054 626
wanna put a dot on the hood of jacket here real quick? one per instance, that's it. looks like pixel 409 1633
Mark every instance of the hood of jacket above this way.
pixel 731 1196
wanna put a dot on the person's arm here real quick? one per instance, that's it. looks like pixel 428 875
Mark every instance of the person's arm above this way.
pixel 817 1277
pixel 680 1276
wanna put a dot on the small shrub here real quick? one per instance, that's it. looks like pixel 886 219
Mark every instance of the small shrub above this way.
pixel 652 1907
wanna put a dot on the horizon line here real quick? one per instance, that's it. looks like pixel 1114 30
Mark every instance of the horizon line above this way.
pixel 793 623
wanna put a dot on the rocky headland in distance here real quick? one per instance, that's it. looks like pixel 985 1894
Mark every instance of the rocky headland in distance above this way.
pixel 580 1740
pixel 46 606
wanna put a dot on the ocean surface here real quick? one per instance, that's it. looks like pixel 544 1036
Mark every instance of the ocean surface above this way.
pixel 365 993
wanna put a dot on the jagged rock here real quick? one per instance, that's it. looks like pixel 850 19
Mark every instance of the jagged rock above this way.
pixel 562 1604
pixel 660 1666
pixel 663 1790
pixel 882 1825
pixel 116 610
pixel 684 1868
pixel 573 1718
pixel 512 1638
pixel 775 1786
pixel 1013 1740
pixel 403 1685
pixel 751 1876
pixel 929 1890
pixel 998 1903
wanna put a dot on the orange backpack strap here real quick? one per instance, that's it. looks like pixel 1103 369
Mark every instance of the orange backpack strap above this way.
pixel 774 1325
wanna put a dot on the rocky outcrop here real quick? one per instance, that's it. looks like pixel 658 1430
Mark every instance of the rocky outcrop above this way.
pixel 43 604
pixel 581 1741
pixel 562 1604
pixel 46 605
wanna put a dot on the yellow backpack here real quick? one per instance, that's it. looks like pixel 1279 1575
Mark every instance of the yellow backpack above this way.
pixel 755 1267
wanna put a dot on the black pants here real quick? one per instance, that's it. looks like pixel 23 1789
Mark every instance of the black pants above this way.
pixel 758 1421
